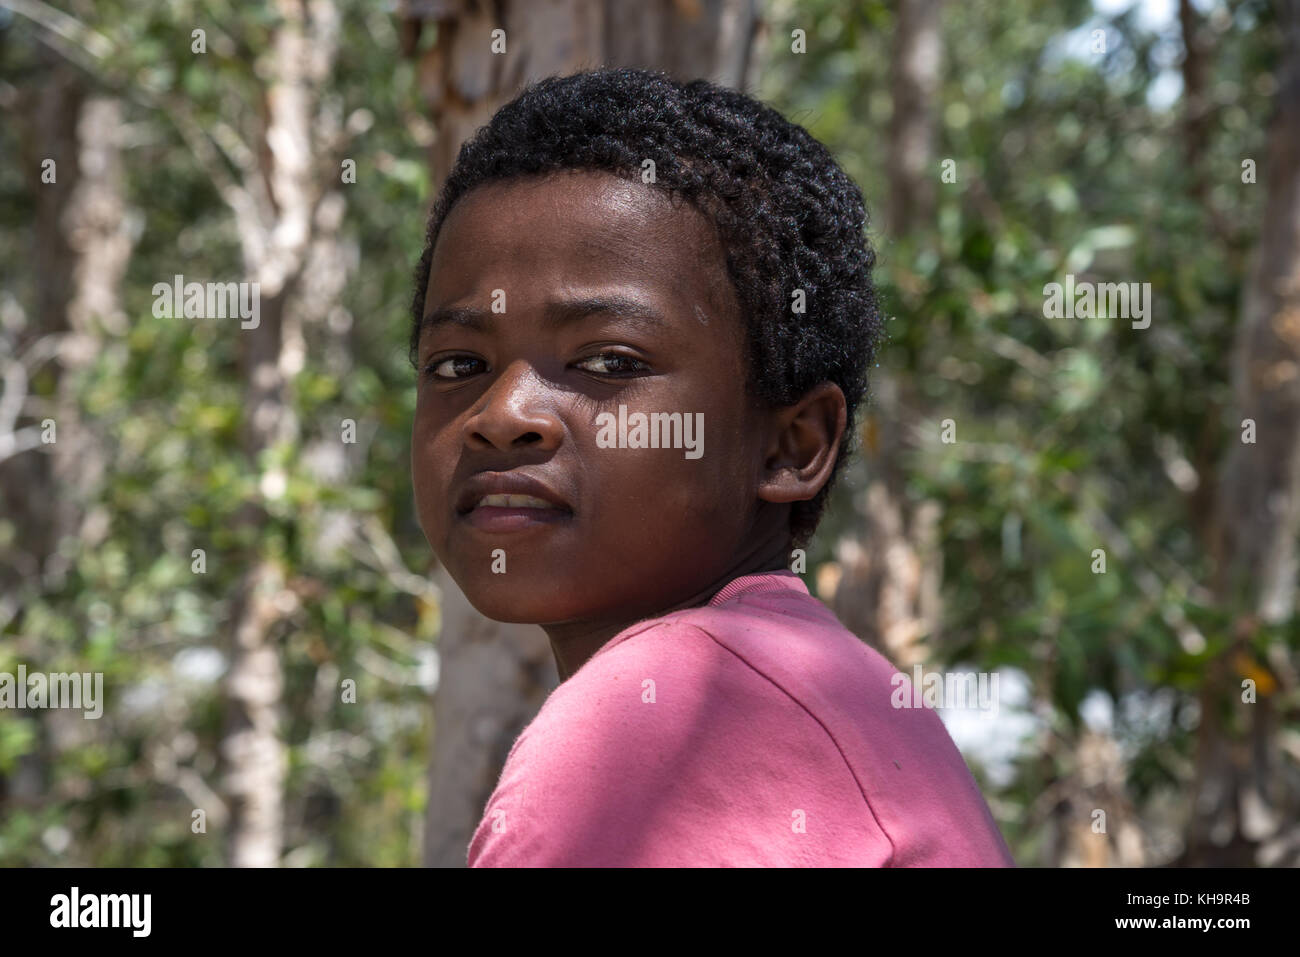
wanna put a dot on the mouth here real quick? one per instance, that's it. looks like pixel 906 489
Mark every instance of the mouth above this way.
pixel 509 501
pixel 513 501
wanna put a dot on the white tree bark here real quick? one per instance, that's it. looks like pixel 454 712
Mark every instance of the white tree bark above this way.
pixel 278 206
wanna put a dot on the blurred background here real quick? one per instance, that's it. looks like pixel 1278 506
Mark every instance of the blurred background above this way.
pixel 1112 533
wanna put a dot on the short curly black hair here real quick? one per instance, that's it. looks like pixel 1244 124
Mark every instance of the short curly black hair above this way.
pixel 789 218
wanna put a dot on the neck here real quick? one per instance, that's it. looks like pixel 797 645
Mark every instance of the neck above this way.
pixel 573 643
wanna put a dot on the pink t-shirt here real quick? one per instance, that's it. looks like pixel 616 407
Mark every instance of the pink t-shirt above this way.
pixel 755 731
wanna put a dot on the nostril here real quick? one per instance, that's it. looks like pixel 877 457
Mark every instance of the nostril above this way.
pixel 529 437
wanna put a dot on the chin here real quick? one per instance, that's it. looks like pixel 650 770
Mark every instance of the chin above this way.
pixel 513 613
pixel 507 599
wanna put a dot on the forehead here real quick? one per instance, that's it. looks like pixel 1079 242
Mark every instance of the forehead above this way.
pixel 579 228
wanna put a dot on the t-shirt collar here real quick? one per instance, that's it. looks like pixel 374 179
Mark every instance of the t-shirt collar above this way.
pixel 761 582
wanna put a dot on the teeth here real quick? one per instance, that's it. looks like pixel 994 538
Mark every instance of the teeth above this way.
pixel 513 501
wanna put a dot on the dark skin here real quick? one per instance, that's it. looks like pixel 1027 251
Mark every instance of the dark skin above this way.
pixel 613 295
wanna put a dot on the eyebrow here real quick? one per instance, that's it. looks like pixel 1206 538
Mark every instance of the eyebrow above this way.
pixel 557 313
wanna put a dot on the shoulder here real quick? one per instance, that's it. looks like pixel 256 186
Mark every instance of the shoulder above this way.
pixel 664 749
pixel 635 703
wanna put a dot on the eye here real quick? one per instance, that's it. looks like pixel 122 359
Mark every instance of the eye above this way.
pixel 453 367
pixel 612 364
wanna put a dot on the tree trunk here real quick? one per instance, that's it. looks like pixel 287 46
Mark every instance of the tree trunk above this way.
pixel 101 233
pixel 83 239
pixel 1244 811
pixel 496 676
pixel 888 576
pixel 84 235
pixel 916 68
pixel 464 83
pixel 277 208
pixel 27 467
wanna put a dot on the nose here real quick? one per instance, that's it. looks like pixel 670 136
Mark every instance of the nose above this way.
pixel 514 413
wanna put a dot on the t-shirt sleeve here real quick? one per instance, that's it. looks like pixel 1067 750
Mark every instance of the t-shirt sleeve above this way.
pixel 669 750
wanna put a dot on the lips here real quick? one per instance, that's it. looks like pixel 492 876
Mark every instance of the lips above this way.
pixel 509 490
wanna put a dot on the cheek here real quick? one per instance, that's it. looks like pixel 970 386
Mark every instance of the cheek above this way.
pixel 662 493
pixel 715 488
pixel 430 462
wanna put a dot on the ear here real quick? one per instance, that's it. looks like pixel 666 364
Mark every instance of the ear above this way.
pixel 805 440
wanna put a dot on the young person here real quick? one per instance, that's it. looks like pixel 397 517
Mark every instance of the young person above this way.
pixel 643 321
